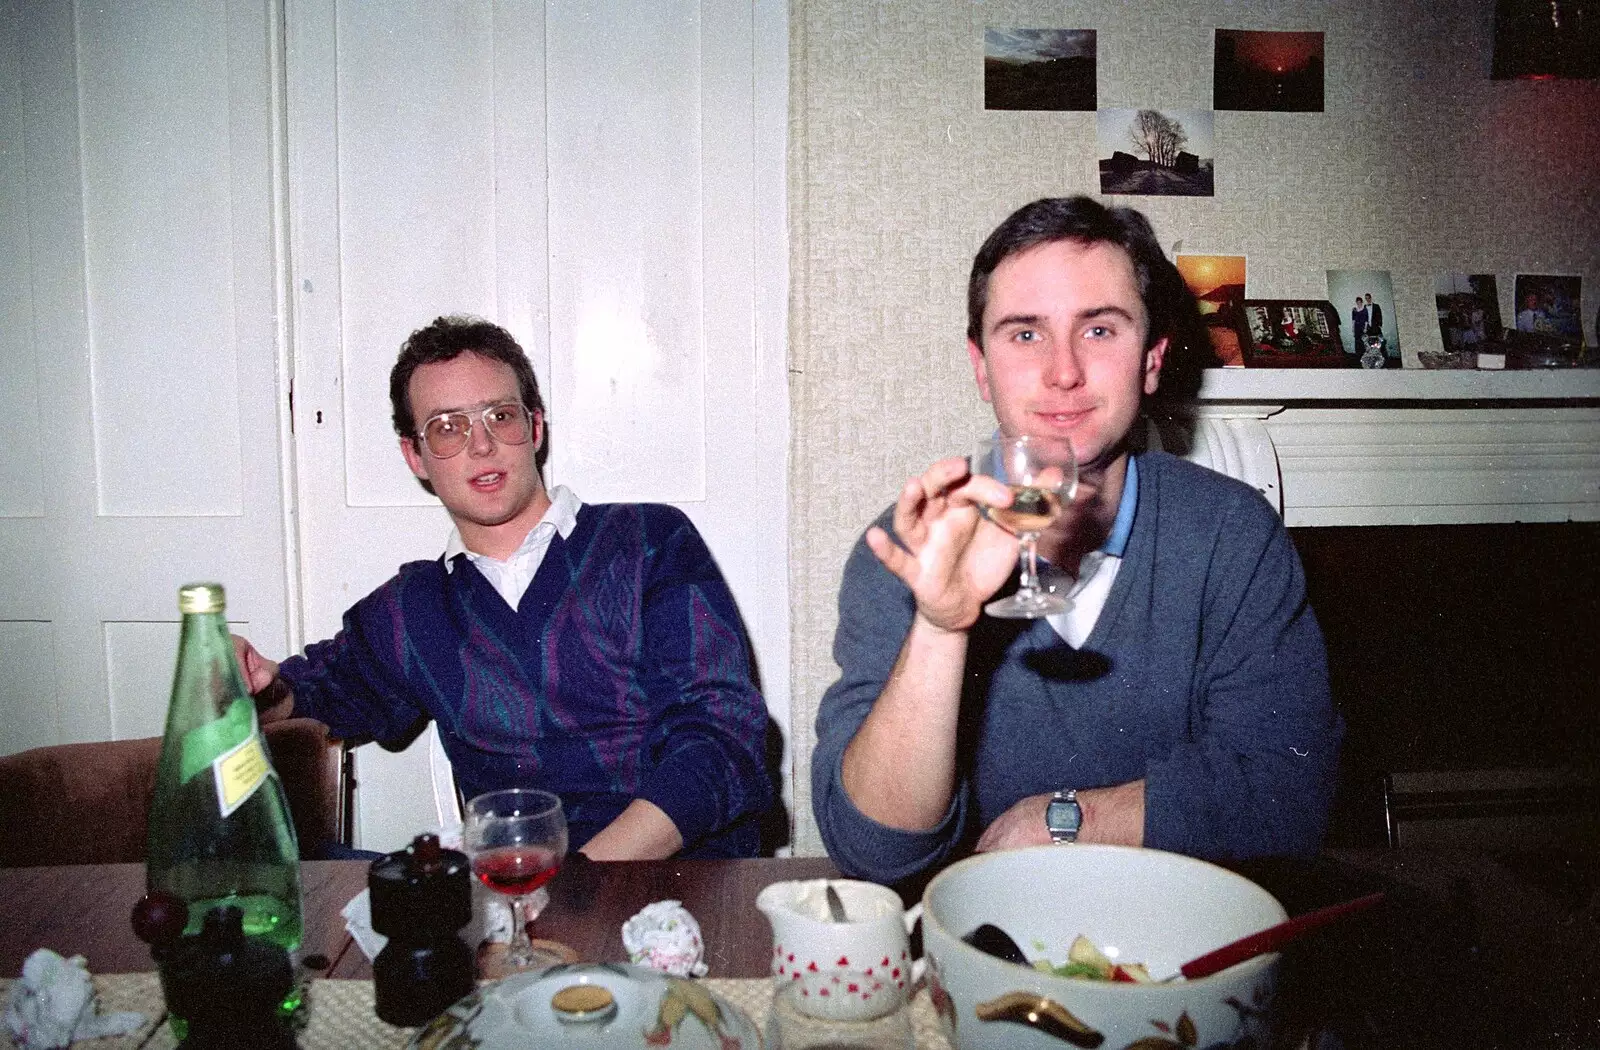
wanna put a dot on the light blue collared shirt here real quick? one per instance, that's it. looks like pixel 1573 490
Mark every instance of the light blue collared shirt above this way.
pixel 1098 570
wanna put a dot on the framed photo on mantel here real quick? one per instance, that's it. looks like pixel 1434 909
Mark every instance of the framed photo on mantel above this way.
pixel 1291 333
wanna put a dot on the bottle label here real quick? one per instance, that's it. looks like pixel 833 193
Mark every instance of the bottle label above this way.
pixel 239 772
pixel 230 749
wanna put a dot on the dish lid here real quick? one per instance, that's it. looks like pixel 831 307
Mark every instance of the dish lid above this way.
pixel 651 1009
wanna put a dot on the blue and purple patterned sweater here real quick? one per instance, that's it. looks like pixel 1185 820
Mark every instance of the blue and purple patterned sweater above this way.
pixel 624 673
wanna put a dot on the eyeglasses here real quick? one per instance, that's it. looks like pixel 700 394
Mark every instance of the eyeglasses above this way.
pixel 447 433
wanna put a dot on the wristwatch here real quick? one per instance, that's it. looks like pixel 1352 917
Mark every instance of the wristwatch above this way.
pixel 1063 816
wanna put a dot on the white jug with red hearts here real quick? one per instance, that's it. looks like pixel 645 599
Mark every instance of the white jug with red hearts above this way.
pixel 852 970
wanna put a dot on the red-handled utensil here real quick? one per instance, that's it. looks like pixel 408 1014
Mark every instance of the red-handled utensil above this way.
pixel 1270 939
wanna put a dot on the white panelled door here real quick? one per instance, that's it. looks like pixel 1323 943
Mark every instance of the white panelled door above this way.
pixel 138 352
pixel 606 181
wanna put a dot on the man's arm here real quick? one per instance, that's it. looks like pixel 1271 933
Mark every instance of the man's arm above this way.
pixel 900 767
pixel 643 831
pixel 348 683
pixel 1256 777
pixel 1111 815
pixel 705 750
pixel 274 698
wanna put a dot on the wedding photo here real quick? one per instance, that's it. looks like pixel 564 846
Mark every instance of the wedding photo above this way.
pixel 1365 301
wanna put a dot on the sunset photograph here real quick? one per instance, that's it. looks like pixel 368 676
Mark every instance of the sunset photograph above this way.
pixel 1268 71
pixel 1217 282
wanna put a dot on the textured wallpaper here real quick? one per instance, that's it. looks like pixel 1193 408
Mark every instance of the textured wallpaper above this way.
pixel 1419 165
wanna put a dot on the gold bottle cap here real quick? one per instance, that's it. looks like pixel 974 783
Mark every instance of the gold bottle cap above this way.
pixel 201 598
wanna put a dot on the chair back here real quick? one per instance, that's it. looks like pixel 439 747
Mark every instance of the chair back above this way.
pixel 90 803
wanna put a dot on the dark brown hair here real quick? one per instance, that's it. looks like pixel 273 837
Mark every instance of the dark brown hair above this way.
pixel 446 339
pixel 1086 221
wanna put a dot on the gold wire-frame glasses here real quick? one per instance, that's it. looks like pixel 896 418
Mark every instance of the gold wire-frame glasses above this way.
pixel 446 434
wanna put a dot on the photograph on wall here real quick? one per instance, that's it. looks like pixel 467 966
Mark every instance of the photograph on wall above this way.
pixel 1257 70
pixel 1039 69
pixel 1217 282
pixel 1165 153
pixel 1368 329
pixel 1290 333
pixel 1469 320
pixel 1548 304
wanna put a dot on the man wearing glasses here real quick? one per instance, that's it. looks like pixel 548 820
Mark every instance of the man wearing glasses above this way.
pixel 591 650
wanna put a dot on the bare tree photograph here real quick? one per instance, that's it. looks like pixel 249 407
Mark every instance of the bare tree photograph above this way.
pixel 1051 69
pixel 1155 152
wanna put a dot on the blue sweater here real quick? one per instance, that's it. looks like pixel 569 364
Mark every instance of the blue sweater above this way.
pixel 1205 675
pixel 624 673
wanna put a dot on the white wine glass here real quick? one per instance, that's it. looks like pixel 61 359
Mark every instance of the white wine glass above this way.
pixel 517 839
pixel 1042 474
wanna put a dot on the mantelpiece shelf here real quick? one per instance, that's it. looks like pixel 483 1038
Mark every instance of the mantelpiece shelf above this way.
pixel 1283 385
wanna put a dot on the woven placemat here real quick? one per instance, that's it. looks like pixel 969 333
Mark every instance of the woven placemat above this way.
pixel 342 1017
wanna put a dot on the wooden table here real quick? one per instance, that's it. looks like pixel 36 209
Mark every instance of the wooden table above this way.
pixel 84 910
pixel 1466 951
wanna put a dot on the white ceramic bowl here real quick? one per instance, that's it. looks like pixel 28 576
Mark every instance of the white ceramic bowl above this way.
pixel 1137 905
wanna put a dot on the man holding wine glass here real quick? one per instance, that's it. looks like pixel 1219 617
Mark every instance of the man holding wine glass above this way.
pixel 1181 699
pixel 590 650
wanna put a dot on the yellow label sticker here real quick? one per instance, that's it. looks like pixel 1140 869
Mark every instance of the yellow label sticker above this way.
pixel 239 771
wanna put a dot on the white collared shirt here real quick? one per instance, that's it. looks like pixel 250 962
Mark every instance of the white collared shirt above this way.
pixel 1088 594
pixel 510 578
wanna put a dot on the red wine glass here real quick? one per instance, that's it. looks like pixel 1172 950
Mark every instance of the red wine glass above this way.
pixel 517 840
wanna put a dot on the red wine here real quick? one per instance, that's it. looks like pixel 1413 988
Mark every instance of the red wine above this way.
pixel 516 870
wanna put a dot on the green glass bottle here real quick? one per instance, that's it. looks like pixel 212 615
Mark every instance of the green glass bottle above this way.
pixel 220 831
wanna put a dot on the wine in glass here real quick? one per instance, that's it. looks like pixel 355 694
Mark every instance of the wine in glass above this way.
pixel 1042 474
pixel 517 839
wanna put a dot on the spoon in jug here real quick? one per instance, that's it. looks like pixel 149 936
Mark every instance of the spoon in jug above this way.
pixel 835 904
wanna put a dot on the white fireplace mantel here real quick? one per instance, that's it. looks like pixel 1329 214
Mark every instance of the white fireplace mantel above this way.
pixel 1352 447
pixel 1359 384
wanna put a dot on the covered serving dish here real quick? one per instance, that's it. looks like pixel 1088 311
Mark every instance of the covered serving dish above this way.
pixel 608 1006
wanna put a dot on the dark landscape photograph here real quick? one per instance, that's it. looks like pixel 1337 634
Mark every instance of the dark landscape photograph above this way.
pixel 1157 153
pixel 1268 71
pixel 1039 69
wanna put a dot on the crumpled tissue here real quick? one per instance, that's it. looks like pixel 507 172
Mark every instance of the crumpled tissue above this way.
pixel 55 1004
pixel 664 936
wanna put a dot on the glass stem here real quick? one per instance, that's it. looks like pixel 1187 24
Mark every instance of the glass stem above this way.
pixel 519 924
pixel 1029 562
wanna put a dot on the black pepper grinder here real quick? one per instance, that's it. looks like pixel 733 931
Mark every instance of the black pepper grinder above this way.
pixel 421 898
pixel 230 991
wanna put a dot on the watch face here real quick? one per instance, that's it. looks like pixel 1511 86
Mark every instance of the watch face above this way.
pixel 1063 817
